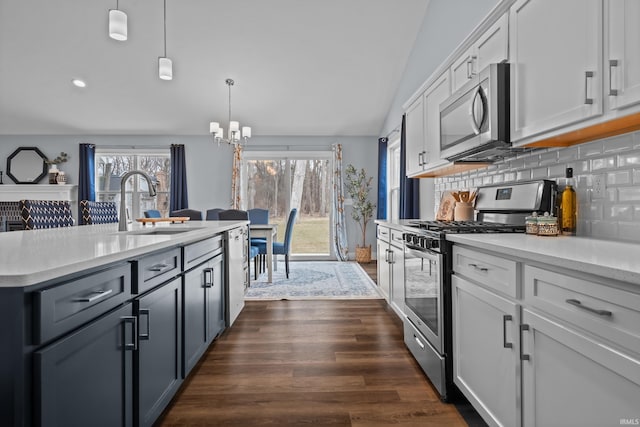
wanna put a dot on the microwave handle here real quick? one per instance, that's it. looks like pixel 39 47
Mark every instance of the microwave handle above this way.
pixel 472 111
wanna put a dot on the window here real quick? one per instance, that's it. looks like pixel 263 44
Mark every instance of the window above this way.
pixel 393 180
pixel 279 181
pixel 111 164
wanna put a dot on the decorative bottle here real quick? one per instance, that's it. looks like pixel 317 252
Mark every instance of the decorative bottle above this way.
pixel 568 206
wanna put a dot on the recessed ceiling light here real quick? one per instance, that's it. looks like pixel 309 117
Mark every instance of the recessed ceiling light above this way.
pixel 79 83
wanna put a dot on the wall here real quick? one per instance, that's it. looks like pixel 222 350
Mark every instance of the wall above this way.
pixel 616 217
pixel 446 24
pixel 208 166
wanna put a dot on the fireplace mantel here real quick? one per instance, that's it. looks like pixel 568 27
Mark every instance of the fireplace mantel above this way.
pixel 16 192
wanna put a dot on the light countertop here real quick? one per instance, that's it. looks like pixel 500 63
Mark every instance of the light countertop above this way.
pixel 34 256
pixel 608 259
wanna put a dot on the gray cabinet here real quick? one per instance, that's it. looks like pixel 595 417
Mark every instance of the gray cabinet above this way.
pixel 203 305
pixel 158 361
pixel 86 378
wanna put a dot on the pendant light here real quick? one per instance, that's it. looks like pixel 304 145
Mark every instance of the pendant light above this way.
pixel 165 65
pixel 117 24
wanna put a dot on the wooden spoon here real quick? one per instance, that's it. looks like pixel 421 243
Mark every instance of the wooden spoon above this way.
pixel 464 196
pixel 456 196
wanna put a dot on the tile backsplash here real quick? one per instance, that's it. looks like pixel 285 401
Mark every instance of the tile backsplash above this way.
pixel 615 160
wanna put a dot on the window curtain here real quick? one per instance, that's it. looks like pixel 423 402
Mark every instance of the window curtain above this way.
pixel 382 178
pixel 87 173
pixel 340 244
pixel 236 187
pixel 409 187
pixel 179 198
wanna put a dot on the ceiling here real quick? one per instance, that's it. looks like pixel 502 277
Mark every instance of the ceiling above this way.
pixel 301 67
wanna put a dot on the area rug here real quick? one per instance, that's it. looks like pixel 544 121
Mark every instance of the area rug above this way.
pixel 315 280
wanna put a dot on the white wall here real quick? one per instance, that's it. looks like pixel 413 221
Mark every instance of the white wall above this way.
pixel 208 166
pixel 446 24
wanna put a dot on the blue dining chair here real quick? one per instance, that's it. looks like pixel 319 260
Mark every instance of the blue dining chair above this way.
pixel 152 213
pixel 213 214
pixel 236 214
pixel 193 214
pixel 284 247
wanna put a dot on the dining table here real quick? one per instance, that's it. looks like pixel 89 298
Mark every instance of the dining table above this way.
pixel 268 232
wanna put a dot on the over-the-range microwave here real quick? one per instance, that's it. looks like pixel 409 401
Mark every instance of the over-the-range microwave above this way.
pixel 474 121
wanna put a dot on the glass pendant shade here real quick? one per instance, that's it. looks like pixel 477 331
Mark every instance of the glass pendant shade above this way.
pixel 117 25
pixel 214 127
pixel 234 126
pixel 246 132
pixel 165 68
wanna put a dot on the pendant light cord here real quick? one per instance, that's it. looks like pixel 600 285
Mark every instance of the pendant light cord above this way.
pixel 165 28
pixel 229 106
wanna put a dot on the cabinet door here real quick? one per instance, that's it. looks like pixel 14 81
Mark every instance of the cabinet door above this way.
pixel 556 56
pixel 624 57
pixel 462 70
pixel 86 378
pixel 565 369
pixel 414 128
pixel 397 279
pixel 214 287
pixel 437 93
pixel 237 273
pixel 383 268
pixel 493 46
pixel 159 356
pixel 485 352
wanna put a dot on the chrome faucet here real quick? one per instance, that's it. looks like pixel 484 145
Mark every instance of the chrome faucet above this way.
pixel 122 223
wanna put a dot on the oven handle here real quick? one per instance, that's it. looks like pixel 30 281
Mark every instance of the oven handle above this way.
pixel 421 252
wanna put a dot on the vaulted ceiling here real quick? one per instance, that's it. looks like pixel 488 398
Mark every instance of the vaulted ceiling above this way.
pixel 301 67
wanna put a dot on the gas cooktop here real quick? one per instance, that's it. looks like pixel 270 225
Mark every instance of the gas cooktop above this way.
pixel 467 227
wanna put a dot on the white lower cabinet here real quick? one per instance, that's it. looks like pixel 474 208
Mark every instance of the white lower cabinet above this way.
pixel 556 348
pixel 486 347
pixel 391 267
pixel 570 379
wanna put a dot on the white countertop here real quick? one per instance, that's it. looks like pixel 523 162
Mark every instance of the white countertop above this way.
pixel 34 256
pixel 608 259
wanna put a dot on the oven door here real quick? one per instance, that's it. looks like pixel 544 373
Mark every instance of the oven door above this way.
pixel 423 294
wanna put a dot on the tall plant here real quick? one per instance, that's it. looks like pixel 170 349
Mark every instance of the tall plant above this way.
pixel 358 185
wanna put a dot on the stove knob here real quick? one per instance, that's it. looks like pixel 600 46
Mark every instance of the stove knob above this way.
pixel 435 244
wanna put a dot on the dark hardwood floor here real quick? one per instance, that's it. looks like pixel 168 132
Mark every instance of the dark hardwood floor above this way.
pixel 332 363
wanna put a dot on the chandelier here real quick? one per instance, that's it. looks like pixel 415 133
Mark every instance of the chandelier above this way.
pixel 234 127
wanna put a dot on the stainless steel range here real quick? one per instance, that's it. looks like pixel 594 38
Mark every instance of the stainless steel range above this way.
pixel 427 265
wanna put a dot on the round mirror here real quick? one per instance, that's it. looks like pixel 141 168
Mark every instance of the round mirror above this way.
pixel 26 165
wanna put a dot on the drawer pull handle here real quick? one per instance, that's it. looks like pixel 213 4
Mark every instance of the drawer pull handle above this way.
pixel 587 75
pixel 208 277
pixel 96 295
pixel 523 327
pixel 146 312
pixel 612 63
pixel 134 322
pixel 506 318
pixel 159 267
pixel 477 267
pixel 418 341
pixel 578 304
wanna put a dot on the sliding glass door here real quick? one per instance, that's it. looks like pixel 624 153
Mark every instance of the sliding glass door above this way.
pixel 280 181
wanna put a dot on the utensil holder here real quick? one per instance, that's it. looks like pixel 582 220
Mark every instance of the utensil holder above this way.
pixel 463 211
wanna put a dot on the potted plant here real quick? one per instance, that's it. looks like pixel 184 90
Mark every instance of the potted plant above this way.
pixel 358 185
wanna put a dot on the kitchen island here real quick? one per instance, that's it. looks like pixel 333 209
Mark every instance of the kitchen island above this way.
pixel 101 327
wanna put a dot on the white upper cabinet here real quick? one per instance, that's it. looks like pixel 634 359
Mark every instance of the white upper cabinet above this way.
pixel 556 64
pixel 414 134
pixel 490 48
pixel 623 59
pixel 436 94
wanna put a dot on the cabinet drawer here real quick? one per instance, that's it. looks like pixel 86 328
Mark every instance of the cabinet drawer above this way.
pixel 383 233
pixel 155 269
pixel 611 313
pixel 198 252
pixel 396 238
pixel 64 307
pixel 497 273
